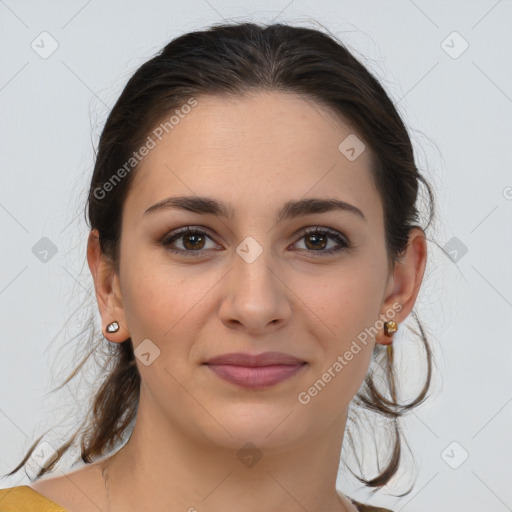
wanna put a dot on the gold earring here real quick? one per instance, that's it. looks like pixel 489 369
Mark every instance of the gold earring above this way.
pixel 390 328
pixel 113 327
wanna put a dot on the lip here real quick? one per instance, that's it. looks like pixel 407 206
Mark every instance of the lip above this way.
pixel 263 359
pixel 255 371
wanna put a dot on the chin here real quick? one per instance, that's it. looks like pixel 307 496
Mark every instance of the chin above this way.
pixel 265 425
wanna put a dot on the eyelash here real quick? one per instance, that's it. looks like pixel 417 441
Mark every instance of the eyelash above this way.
pixel 182 232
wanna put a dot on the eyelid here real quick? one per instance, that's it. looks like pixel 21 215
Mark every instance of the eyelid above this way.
pixel 342 240
pixel 324 229
pixel 185 230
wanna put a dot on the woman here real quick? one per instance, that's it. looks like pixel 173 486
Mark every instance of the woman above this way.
pixel 255 244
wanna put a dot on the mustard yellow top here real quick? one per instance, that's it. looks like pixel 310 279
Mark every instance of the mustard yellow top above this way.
pixel 23 498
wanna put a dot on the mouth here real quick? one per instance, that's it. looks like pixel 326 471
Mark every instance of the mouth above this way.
pixel 255 371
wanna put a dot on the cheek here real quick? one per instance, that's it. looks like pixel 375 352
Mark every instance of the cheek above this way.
pixel 162 301
pixel 345 308
pixel 345 305
pixel 147 292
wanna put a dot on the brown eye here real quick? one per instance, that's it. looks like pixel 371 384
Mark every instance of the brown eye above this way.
pixel 317 239
pixel 192 240
pixel 196 241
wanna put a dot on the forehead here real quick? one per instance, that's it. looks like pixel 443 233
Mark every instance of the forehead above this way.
pixel 263 148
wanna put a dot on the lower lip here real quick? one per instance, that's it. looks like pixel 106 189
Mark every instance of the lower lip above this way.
pixel 255 377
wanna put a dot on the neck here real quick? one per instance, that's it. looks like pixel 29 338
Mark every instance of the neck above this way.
pixel 161 468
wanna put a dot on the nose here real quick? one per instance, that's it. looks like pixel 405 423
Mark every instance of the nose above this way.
pixel 255 297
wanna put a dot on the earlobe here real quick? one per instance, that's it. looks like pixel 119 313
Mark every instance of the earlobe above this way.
pixel 108 294
pixel 405 284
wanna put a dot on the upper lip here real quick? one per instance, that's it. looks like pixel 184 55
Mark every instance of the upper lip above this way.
pixel 264 359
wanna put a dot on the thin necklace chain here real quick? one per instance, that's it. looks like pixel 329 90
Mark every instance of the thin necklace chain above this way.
pixel 105 479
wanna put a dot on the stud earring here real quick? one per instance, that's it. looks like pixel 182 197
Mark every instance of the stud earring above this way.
pixel 113 327
pixel 390 328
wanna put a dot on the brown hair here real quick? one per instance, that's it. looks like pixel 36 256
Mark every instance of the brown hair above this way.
pixel 236 59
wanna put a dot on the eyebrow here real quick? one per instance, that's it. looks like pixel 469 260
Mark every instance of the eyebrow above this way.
pixel 290 210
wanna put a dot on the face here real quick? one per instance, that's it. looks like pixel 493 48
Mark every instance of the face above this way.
pixel 254 282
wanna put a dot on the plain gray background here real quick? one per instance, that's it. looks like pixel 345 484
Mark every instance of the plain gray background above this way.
pixel 448 67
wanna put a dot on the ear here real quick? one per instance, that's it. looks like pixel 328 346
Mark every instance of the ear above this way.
pixel 404 282
pixel 108 291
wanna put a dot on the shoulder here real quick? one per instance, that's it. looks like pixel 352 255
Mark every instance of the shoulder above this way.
pixel 23 497
pixel 49 493
pixel 81 490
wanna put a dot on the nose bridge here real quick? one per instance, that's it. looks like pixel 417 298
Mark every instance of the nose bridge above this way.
pixel 254 295
pixel 252 265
